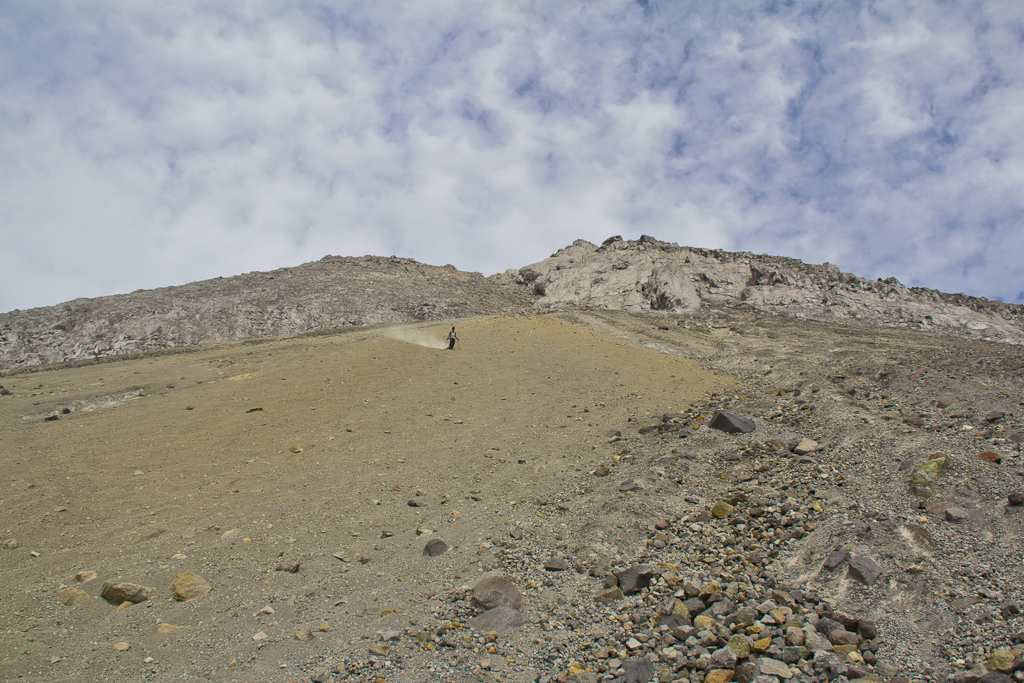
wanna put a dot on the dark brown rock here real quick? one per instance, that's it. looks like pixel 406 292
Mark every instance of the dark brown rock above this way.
pixel 836 558
pixel 634 579
pixel 864 569
pixel 117 592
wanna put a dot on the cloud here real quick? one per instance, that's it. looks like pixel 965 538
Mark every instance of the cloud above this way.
pixel 154 144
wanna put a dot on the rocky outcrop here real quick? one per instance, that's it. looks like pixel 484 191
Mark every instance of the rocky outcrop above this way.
pixel 335 292
pixel 649 275
pixel 642 276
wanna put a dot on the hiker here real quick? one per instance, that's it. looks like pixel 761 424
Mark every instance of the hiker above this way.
pixel 452 338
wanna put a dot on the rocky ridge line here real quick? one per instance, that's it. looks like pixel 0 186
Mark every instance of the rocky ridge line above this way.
pixel 648 275
pixel 642 276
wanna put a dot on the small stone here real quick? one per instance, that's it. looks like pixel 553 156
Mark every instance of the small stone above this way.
pixel 836 558
pixel 913 420
pixel 867 629
pixel 638 670
pixel 555 564
pixel 773 667
pixel 864 569
pixel 260 636
pixel 740 644
pixel 187 585
pixel 1015 498
pixel 991 456
pixel 304 634
pixel 609 595
pixel 602 471
pixel 435 547
pixel 731 424
pixel 290 567
pixel 296 449
pixel 995 677
pixel 843 637
pixel 634 579
pixel 493 591
pixel 806 446
pixel 85 576
pixel 165 629
pixel 379 650
pixel 719 676
pixel 118 592
pixel 121 646
pixel 722 509
pixel 1001 660
pixel 702 622
pixel 955 515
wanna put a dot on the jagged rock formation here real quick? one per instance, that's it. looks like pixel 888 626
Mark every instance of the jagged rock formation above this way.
pixel 641 276
pixel 334 292
pixel 649 275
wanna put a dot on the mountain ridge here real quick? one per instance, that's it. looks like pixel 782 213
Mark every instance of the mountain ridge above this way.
pixel 645 276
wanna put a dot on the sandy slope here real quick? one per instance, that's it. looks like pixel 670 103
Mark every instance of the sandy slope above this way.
pixel 200 445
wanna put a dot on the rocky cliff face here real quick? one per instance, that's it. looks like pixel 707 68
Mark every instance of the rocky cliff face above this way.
pixel 641 276
pixel 648 275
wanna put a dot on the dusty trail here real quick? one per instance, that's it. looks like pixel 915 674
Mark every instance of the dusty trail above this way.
pixel 198 471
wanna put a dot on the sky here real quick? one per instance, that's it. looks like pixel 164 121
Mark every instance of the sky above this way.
pixel 150 143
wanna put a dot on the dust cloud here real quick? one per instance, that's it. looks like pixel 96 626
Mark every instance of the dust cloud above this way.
pixel 431 338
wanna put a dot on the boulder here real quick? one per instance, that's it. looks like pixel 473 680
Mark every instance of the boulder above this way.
pixel 731 424
pixel 493 591
pixel 864 569
pixel 188 585
pixel 117 592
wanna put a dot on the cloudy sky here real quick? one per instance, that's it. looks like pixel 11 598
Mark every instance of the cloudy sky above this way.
pixel 146 144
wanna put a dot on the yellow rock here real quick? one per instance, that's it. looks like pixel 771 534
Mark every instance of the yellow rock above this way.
pixel 703 623
pixel 164 629
pixel 719 676
pixel 762 645
pixel 721 510
pixel 1001 661
pixel 187 585
pixel 73 596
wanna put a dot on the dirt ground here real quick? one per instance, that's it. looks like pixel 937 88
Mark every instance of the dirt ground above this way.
pixel 234 459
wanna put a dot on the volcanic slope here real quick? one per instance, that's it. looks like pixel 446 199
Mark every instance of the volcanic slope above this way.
pixel 343 454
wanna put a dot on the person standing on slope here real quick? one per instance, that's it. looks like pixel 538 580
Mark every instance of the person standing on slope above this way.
pixel 452 338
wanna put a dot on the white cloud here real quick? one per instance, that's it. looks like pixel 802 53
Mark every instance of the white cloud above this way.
pixel 154 144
